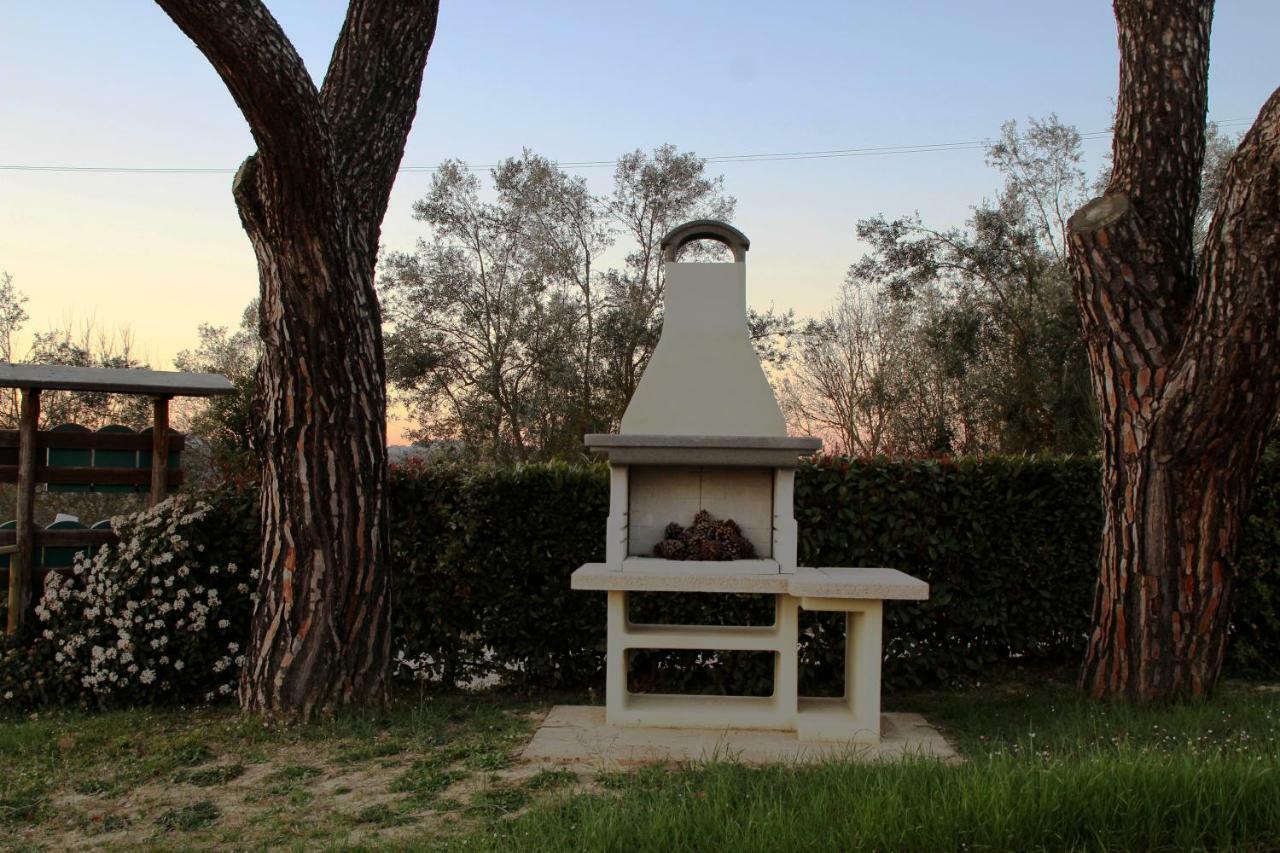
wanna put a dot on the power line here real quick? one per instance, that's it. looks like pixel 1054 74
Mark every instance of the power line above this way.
pixel 768 157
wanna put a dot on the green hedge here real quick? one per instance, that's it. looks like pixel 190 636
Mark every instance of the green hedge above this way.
pixel 1008 546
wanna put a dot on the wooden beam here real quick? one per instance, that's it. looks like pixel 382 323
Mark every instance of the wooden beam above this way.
pixel 111 380
pixel 160 450
pixel 48 439
pixel 63 538
pixel 20 563
pixel 81 476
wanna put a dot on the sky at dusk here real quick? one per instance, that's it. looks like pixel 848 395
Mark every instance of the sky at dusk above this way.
pixel 94 83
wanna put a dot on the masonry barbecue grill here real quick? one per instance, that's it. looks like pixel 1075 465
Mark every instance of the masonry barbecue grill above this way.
pixel 703 431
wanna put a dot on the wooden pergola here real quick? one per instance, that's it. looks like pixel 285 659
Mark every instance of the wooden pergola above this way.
pixel 33 446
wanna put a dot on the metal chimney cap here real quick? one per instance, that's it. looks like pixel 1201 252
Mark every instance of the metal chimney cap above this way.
pixel 705 229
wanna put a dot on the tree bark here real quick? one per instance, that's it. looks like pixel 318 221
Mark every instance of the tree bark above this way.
pixel 1185 360
pixel 312 200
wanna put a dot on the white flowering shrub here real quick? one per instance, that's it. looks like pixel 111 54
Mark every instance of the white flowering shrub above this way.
pixel 162 615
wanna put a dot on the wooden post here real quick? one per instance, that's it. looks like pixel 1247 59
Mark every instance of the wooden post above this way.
pixel 22 563
pixel 160 451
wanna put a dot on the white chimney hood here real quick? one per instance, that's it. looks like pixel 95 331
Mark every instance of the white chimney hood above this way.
pixel 704 396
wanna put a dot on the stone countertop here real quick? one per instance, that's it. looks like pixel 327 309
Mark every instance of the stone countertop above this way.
pixel 682 576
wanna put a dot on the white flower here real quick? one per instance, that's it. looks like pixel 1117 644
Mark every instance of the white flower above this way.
pixel 224 623
pixel 178 665
pixel 233 647
pixel 147 676
pixel 8 694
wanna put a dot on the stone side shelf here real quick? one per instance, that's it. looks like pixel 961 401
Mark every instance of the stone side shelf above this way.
pixel 650 574
pixel 859 593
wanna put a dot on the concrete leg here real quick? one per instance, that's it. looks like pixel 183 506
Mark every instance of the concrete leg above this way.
pixel 786 671
pixel 862 664
pixel 615 684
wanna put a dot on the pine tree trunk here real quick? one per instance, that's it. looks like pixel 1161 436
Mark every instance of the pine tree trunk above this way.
pixel 312 201
pixel 321 634
pixel 1185 360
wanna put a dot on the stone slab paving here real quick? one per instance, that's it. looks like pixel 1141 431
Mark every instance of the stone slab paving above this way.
pixel 577 736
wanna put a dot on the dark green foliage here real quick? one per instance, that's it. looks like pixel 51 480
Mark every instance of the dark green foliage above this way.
pixel 1255 625
pixel 1008 546
pixel 481 561
pixel 481 564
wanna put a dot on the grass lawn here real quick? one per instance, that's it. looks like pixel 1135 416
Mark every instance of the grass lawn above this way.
pixel 1044 769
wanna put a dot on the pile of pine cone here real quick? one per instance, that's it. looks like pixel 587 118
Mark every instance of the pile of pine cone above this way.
pixel 706 539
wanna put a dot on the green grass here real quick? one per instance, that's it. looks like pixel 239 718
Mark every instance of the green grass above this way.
pixel 171 777
pixel 1103 803
pixel 1044 770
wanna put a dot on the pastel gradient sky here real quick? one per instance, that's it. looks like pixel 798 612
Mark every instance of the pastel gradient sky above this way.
pixel 97 83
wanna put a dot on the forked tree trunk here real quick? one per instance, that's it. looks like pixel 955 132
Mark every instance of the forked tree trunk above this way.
pixel 321 629
pixel 1185 360
pixel 312 200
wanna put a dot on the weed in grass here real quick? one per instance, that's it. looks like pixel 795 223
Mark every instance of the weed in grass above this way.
pixel 187 753
pixel 487 759
pixel 206 777
pixel 424 778
pixel 189 818
pixel 379 814
pixel 614 780
pixel 22 805
pixel 354 754
pixel 294 773
pixel 293 793
pixel 549 780
pixel 113 823
pixel 101 824
pixel 498 801
pixel 96 786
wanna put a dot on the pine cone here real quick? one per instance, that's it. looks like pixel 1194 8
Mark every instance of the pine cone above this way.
pixel 709 549
pixel 705 539
pixel 670 549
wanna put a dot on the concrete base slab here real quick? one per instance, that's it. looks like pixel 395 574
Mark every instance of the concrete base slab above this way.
pixel 577 735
